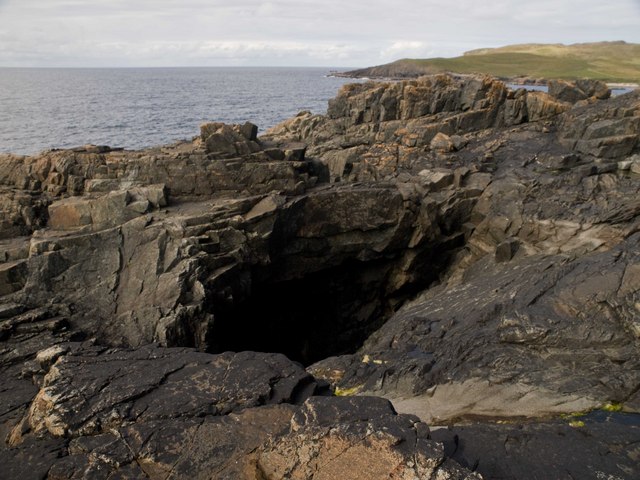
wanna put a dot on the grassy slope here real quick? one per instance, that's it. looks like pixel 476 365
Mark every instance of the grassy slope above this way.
pixel 610 61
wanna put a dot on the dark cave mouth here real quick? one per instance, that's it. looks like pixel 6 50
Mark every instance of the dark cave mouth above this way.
pixel 322 314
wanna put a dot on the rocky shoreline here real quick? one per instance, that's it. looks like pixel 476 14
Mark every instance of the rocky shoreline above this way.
pixel 389 76
pixel 442 275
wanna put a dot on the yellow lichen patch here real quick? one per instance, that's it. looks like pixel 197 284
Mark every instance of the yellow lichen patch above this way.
pixel 368 359
pixel 576 423
pixel 346 392
pixel 612 407
pixel 567 416
pixel 506 422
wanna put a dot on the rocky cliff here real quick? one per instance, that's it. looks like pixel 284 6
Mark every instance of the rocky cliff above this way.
pixel 465 251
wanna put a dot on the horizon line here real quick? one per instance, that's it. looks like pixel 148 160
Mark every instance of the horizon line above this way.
pixel 176 66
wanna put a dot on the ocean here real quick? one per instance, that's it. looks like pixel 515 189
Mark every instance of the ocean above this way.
pixel 615 91
pixel 135 108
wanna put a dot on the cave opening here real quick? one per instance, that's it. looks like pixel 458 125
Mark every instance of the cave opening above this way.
pixel 324 313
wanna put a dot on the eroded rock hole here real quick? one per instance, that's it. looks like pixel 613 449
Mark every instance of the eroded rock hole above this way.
pixel 324 313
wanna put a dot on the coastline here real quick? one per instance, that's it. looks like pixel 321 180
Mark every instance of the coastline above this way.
pixel 511 80
pixel 518 81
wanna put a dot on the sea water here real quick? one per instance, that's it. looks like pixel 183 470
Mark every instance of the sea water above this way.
pixel 135 108
pixel 615 91
pixel 140 107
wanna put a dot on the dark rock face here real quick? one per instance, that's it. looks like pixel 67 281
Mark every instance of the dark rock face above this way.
pixel 612 133
pixel 89 393
pixel 373 130
pixel 157 412
pixel 599 446
pixel 580 90
pixel 519 329
pixel 464 250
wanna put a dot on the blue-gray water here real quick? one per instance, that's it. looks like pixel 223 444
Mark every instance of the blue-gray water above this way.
pixel 140 107
pixel 543 88
pixel 136 108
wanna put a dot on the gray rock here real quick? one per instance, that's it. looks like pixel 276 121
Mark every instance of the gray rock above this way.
pixel 401 280
pixel 506 250
pixel 250 131
pixel 186 413
pixel 599 445
pixel 90 393
pixel 566 91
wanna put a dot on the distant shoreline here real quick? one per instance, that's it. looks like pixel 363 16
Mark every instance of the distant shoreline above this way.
pixel 623 85
pixel 512 81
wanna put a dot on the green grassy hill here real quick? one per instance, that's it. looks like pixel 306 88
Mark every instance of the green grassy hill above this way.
pixel 609 61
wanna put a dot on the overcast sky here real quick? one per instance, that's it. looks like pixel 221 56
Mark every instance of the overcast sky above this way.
pixel 292 32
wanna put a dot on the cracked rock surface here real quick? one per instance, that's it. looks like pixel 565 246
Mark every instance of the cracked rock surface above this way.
pixel 161 412
pixel 461 253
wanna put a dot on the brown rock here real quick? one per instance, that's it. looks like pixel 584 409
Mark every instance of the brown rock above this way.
pixel 356 438
pixel 566 91
pixel 442 143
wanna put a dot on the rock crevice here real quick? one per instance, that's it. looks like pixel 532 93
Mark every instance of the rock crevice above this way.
pixel 462 249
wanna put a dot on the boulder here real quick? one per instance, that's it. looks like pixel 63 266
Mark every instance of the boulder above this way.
pixel 250 131
pixel 442 143
pixel 581 89
pixel 167 384
pixel 506 250
pixel 594 88
pixel 356 438
pixel 566 91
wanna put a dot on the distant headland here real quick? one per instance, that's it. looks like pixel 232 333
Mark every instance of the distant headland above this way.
pixel 612 62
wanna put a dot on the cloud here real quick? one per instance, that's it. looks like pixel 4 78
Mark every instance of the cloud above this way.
pixel 181 53
pixel 287 32
pixel 408 49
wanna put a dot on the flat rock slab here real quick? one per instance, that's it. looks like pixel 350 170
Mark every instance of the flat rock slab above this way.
pixel 599 445
pixel 95 391
pixel 176 413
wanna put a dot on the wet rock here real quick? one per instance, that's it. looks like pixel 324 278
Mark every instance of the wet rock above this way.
pixel 599 445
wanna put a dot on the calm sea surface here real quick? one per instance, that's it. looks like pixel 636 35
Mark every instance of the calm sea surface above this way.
pixel 543 88
pixel 136 108
pixel 141 107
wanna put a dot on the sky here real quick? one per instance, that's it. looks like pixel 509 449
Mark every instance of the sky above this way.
pixel 329 33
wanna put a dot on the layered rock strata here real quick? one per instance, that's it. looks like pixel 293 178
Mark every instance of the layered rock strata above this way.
pixel 462 249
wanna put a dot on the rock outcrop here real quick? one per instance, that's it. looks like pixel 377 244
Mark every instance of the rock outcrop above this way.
pixel 464 250
pixel 159 413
